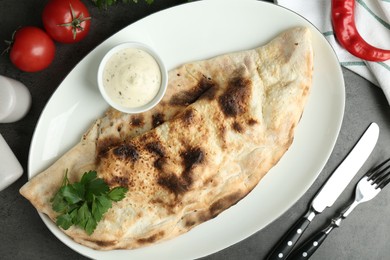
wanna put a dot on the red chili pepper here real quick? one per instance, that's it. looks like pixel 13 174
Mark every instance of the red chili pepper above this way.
pixel 344 26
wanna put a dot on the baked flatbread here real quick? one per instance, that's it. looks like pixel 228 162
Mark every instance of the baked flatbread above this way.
pixel 222 125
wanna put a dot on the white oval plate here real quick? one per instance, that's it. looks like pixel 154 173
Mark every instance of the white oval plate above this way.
pixel 190 32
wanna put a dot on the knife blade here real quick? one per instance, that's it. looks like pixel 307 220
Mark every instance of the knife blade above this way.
pixel 330 191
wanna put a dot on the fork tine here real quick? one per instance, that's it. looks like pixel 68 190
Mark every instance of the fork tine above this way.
pixel 372 172
pixel 384 179
pixel 379 175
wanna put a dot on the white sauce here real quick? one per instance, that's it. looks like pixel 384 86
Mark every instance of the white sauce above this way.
pixel 132 77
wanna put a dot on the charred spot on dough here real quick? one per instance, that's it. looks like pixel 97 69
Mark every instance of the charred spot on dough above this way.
pixel 190 96
pixel 205 84
pixel 180 184
pixel 224 203
pixel 157 119
pixel 119 181
pixel 126 151
pixel 159 163
pixel 234 100
pixel 204 216
pixel 237 127
pixel 210 94
pixel 173 183
pixel 157 200
pixel 156 148
pixel 196 217
pixel 105 144
pixel 191 157
pixel 151 239
pixel 188 116
pixel 252 122
pixel 137 121
pixel 182 99
pixel 189 223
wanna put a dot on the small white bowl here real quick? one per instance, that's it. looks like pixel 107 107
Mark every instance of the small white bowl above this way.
pixel 164 78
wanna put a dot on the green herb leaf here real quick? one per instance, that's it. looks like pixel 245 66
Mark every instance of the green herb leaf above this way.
pixel 58 201
pixel 117 193
pixel 90 226
pixel 95 187
pixel 64 221
pixel 83 214
pixel 84 203
pixel 102 205
pixel 88 177
pixel 70 194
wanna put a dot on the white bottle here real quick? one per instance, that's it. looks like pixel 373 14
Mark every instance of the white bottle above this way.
pixel 15 100
pixel 10 168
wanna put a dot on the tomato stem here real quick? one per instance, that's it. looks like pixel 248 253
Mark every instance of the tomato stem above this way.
pixel 76 22
pixel 9 43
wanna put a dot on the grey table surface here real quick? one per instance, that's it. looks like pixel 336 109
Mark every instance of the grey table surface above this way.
pixel 23 235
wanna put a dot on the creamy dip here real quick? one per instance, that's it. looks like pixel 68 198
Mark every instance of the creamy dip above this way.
pixel 132 77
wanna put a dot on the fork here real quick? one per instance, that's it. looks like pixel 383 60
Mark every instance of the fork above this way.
pixel 367 188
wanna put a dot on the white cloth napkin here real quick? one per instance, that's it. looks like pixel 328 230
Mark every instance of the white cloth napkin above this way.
pixel 372 19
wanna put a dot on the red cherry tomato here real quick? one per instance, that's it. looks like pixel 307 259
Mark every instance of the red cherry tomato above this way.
pixel 32 49
pixel 66 21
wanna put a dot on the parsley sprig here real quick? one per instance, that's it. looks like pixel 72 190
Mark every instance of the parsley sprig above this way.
pixel 83 203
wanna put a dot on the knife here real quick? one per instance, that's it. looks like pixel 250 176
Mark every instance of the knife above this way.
pixel 331 190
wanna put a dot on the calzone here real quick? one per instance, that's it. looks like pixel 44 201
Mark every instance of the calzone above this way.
pixel 222 125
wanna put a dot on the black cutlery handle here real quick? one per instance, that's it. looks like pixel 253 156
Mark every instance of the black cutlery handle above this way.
pixel 285 246
pixel 310 246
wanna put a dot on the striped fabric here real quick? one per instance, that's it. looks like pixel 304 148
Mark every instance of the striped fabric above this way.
pixel 373 22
